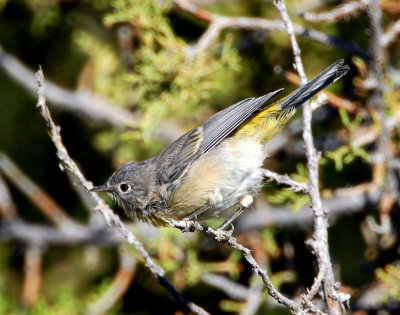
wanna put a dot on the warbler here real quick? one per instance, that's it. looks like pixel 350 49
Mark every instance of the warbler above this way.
pixel 214 167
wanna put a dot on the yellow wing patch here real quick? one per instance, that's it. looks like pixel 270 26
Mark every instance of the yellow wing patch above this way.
pixel 266 124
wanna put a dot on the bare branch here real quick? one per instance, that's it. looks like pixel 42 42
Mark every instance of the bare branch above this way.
pixel 84 104
pixel 8 208
pixel 254 299
pixel 47 205
pixel 391 34
pixel 232 289
pixel 21 231
pixel 343 202
pixel 383 175
pixel 110 217
pixel 286 180
pixel 320 243
pixel 341 12
pixel 252 23
pixel 226 237
pixel 280 5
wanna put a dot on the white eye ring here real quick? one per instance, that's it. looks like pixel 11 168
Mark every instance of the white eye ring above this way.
pixel 124 188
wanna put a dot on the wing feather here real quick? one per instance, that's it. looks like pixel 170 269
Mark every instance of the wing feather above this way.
pixel 185 151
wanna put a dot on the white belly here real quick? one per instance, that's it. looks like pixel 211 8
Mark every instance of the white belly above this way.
pixel 243 175
pixel 220 179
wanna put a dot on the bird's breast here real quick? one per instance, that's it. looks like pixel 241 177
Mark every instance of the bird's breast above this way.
pixel 220 178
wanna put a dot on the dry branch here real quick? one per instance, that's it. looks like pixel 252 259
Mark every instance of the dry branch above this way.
pixel 219 23
pixel 20 231
pixel 8 208
pixel 319 244
pixel 47 205
pixel 383 175
pixel 110 217
pixel 391 34
pixel 82 103
pixel 226 237
pixel 341 12
pixel 286 180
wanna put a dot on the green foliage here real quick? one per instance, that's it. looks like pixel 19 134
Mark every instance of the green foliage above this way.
pixel 270 244
pixel 166 79
pixel 3 4
pixel 346 154
pixel 46 13
pixel 389 278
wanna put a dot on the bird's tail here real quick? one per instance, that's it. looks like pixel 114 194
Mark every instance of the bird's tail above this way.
pixel 330 75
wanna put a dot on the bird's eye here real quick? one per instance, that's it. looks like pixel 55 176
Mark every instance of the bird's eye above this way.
pixel 125 187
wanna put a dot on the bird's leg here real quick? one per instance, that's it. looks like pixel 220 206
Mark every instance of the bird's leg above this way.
pixel 196 213
pixel 245 202
pixel 231 219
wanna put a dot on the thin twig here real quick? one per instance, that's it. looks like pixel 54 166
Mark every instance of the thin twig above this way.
pixel 44 234
pixel 342 11
pixel 286 180
pixel 253 23
pixel 391 34
pixel 383 175
pixel 320 243
pixel 110 217
pixel 8 209
pixel 230 288
pixel 82 103
pixel 226 237
pixel 47 205
pixel 280 5
pixel 273 292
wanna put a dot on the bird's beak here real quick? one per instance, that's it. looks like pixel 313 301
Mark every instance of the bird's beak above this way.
pixel 101 188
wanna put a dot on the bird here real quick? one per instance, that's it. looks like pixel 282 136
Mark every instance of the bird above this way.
pixel 214 167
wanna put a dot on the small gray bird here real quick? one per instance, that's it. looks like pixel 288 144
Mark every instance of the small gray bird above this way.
pixel 214 167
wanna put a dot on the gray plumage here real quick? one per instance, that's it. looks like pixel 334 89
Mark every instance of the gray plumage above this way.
pixel 212 167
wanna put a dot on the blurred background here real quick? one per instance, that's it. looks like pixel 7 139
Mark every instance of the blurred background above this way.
pixel 123 80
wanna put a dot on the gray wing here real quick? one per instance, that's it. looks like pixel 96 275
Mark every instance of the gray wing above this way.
pixel 185 151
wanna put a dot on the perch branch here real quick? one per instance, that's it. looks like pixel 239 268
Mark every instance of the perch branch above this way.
pixel 110 217
pixel 226 237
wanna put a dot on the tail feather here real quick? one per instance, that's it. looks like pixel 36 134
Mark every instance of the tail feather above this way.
pixel 330 75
